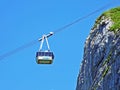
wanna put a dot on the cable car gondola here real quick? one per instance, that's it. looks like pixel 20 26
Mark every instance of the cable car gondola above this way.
pixel 46 56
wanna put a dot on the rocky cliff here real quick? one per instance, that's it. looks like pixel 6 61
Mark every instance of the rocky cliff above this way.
pixel 100 68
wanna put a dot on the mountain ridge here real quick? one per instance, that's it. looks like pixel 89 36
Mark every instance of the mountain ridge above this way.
pixel 100 68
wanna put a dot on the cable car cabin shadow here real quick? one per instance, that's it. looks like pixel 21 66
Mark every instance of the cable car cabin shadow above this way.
pixel 44 57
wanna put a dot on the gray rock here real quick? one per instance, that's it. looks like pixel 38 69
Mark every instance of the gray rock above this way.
pixel 100 69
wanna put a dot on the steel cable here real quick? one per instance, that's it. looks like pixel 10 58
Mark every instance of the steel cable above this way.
pixel 55 31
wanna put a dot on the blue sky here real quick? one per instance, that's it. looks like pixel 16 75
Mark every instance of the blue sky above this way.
pixel 22 21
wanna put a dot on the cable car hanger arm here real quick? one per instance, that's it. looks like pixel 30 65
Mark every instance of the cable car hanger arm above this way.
pixel 48 35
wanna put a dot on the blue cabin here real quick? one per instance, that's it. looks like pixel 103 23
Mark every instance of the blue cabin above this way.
pixel 44 57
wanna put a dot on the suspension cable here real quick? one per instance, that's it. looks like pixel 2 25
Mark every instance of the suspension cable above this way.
pixel 18 49
pixel 9 53
pixel 82 18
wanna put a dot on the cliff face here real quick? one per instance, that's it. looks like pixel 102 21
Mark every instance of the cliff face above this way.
pixel 100 68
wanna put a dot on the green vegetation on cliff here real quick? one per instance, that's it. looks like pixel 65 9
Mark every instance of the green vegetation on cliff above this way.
pixel 114 15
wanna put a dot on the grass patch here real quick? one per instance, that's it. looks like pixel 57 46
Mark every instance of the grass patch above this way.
pixel 114 15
